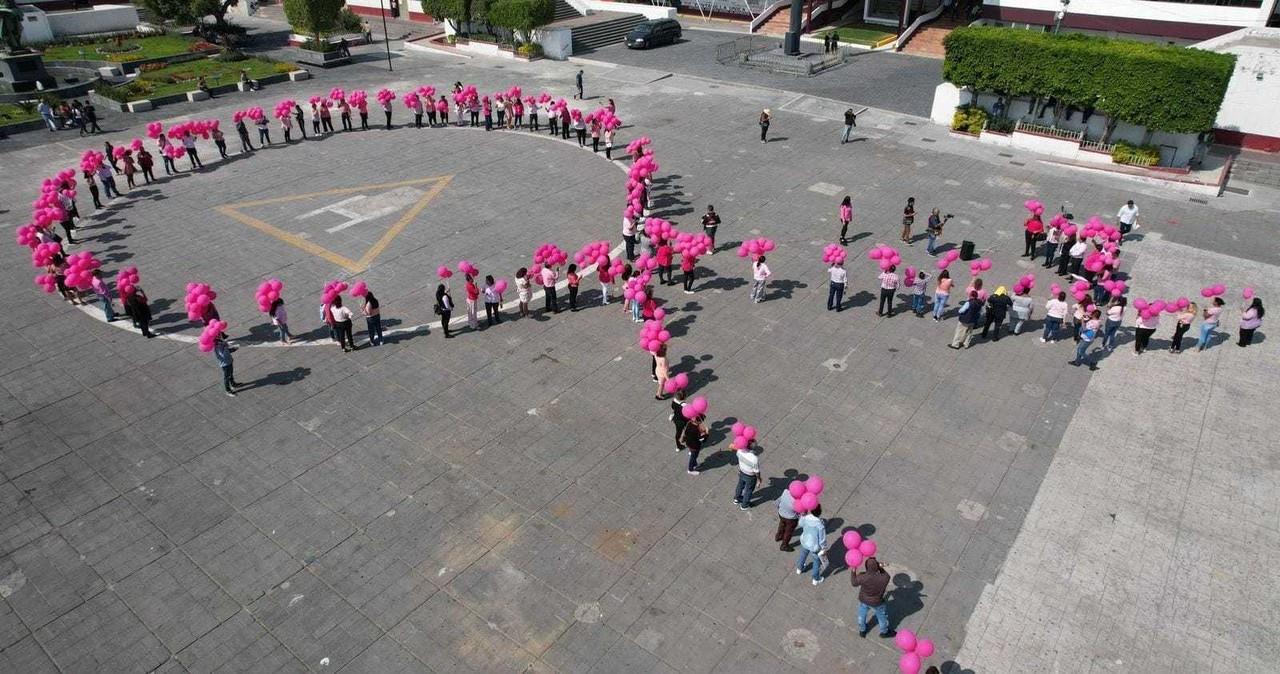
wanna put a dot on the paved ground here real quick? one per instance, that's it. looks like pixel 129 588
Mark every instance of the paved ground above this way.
pixel 509 501
pixel 895 82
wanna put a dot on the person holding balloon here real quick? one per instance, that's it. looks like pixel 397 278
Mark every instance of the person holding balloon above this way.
pixel 677 417
pixel 788 518
pixel 940 294
pixel 492 299
pixel 694 433
pixel 1186 316
pixel 1209 322
pixel 748 472
pixel 871 584
pixel 280 319
pixel 371 309
pixel 813 540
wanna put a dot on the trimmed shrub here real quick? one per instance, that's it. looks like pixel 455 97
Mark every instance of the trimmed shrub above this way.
pixel 530 49
pixel 1174 89
pixel 521 16
pixel 969 118
pixel 1137 155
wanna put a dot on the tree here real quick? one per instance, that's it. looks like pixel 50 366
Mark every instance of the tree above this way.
pixel 453 11
pixel 193 11
pixel 317 17
pixel 522 16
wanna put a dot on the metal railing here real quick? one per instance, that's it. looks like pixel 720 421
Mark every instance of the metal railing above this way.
pixel 1052 132
pixel 915 25
pixel 1097 146
pixel 738 48
pixel 756 51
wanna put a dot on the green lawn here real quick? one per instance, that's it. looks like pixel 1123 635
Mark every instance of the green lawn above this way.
pixel 11 114
pixel 183 77
pixel 154 46
pixel 858 34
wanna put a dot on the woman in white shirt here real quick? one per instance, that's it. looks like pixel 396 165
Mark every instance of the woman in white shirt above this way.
pixel 1077 251
pixel 1115 314
pixel 342 324
pixel 1055 310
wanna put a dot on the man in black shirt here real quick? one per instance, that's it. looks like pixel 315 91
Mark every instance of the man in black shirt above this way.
pixel 711 221
pixel 850 121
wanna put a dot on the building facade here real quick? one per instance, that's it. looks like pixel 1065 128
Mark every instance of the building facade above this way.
pixel 1176 21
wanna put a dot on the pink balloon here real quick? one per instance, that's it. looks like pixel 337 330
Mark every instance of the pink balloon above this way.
pixel 737 427
pixel 641 297
pixel 906 640
pixel 909 663
pixel 851 540
pixel 814 485
pixel 659 314
pixel 808 502
pixel 852 558
pixel 867 548
pixel 924 648
pixel 1247 293
pixel 796 488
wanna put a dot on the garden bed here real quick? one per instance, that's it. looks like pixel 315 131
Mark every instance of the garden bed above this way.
pixel 861 34
pixel 134 49
pixel 175 80
pixel 16 114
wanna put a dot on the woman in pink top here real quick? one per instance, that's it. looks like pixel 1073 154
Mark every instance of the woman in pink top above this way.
pixel 664 256
pixel 1209 321
pixel 941 293
pixel 1185 318
pixel 1250 320
pixel 1031 231
pixel 1143 330
pixel 846 216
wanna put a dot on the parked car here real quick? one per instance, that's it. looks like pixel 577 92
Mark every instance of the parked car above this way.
pixel 653 33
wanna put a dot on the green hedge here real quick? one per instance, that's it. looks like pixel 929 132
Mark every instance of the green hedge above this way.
pixel 969 118
pixel 1138 155
pixel 1174 89
pixel 521 15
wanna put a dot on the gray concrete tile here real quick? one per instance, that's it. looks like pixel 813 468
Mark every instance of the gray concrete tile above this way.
pixel 179 505
pixel 176 600
pixel 240 559
pixel 313 622
pixel 101 634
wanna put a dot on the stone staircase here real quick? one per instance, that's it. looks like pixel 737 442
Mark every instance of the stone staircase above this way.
pixel 776 24
pixel 927 41
pixel 565 10
pixel 1260 170
pixel 608 30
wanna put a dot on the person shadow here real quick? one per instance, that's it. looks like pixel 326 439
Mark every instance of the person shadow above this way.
pixel 773 490
pixel 783 289
pixel 283 378
pixel 905 599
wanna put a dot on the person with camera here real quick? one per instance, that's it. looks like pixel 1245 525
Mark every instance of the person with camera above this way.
pixel 934 229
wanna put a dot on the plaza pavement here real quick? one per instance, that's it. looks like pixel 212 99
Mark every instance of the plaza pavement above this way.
pixel 509 500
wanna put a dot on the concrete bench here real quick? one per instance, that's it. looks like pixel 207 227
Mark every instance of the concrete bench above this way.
pixel 197 95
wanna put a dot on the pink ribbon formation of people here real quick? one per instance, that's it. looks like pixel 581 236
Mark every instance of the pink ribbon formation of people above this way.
pixel 1087 256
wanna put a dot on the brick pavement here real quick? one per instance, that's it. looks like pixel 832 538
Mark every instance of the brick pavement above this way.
pixel 508 501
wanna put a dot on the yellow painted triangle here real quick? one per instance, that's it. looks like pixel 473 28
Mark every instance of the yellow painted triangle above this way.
pixel 354 266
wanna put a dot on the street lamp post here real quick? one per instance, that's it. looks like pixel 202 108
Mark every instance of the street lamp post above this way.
pixel 1059 16
pixel 386 40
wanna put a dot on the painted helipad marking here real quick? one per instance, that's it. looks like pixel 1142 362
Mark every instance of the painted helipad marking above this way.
pixel 438 183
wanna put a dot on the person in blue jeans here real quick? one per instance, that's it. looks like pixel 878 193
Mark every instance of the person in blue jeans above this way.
pixel 918 287
pixel 223 354
pixel 1055 312
pixel 813 540
pixel 1209 322
pixel 1088 332
pixel 871 585
pixel 835 293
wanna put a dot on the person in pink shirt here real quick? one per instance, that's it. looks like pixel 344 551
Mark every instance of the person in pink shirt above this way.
pixel 473 298
pixel 1250 321
pixel 442 107
pixel 888 284
pixel 1143 329
pixel 1209 321
pixel 688 265
pixel 1032 230
pixel 846 216
pixel 606 280
pixel 549 277
pixel 1185 318
pixel 664 257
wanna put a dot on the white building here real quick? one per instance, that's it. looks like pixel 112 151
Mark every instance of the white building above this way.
pixel 1248 117
pixel 1177 21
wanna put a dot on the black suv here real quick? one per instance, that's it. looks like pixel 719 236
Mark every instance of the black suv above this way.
pixel 653 33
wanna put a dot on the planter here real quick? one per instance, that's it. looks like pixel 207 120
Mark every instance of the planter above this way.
pixel 353 39
pixel 197 95
pixel 19 127
pixel 320 59
pixel 299 75
pixel 138 106
pixel 957 132
pixel 996 138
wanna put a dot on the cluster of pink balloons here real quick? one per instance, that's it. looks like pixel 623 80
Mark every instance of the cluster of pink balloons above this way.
pixel 887 255
pixel 385 96
pixel 634 289
pixel 1214 290
pixel 42 255
pixel 359 289
pixel 126 280
pixel 332 290
pixel 468 269
pixel 199 127
pixel 978 266
pixel 337 95
pixel 155 130
pixel 1115 287
pixel 444 272
pixel 638 145
pixel 856 548
pixel 805 493
pixel 500 285
pixel 284 109
pixel 359 99
pixel 596 252
pixel 677 382
pixel 1149 310
pixel 174 151
pixel 947 258
pixel 268 292
pixel 550 255
pixel 80 268
pixel 914 651
pixel 1034 206
pixel 694 408
pixel 27 236
pixel 1095 227
pixel 92 160
pixel 210 334
pixel 47 209
pixel 1024 284
pixel 411 101
pixel 743 434
pixel 659 230
pixel 653 336
pixel 755 247
pixel 692 245
pixel 199 297
pixel 605 118
pixel 1080 290
pixel 467 95
pixel 253 114
pixel 834 253
pixel 47 282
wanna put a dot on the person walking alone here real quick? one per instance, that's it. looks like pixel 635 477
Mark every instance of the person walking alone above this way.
pixel 846 216
pixel 908 219
pixel 1128 219
pixel 871 584
pixel 710 223
pixel 765 118
pixel 577 82
pixel 850 121
pixel 813 543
